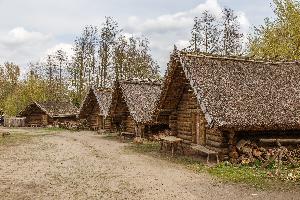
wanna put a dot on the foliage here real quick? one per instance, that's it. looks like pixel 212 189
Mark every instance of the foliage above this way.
pixel 217 35
pixel 205 33
pixel 278 39
pixel 101 56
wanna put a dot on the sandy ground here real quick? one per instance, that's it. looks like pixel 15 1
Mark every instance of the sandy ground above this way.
pixel 87 166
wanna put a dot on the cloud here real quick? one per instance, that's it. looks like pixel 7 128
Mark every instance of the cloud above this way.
pixel 166 30
pixel 19 36
pixel 172 22
pixel 21 46
pixel 68 48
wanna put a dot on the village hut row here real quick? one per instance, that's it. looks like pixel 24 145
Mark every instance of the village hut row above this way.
pixel 205 100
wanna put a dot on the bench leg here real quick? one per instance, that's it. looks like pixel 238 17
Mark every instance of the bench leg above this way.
pixel 207 160
pixel 161 145
pixel 172 146
pixel 217 159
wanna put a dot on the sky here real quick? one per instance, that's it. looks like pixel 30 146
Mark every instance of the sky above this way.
pixel 31 29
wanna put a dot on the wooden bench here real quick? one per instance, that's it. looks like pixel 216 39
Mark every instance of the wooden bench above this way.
pixel 208 152
pixel 33 125
pixel 128 135
pixel 173 141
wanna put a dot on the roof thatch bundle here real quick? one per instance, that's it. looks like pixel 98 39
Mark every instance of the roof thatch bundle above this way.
pixel 140 96
pixel 52 109
pixel 103 98
pixel 242 94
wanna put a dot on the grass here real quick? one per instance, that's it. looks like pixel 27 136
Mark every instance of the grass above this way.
pixel 241 174
pixel 287 177
pixel 18 136
pixel 15 138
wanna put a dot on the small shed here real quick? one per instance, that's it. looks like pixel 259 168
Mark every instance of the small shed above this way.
pixel 47 113
pixel 95 108
pixel 133 104
pixel 213 101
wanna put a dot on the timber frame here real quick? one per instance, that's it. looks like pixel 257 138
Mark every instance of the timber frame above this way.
pixel 95 109
pixel 41 114
pixel 213 101
pixel 133 104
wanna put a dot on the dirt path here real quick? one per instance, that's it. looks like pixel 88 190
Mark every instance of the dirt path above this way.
pixel 87 166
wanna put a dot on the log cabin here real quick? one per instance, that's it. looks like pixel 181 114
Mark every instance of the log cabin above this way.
pixel 95 109
pixel 133 104
pixel 41 114
pixel 212 102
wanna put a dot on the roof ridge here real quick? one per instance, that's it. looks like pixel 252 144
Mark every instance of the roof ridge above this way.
pixel 233 58
pixel 141 81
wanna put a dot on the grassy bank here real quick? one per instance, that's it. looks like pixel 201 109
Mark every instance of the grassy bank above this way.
pixel 287 177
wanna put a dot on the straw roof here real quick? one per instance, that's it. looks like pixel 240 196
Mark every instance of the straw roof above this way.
pixel 53 109
pixel 103 98
pixel 241 94
pixel 140 96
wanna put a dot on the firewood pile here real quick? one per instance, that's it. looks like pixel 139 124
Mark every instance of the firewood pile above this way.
pixel 75 126
pixel 248 152
pixel 162 134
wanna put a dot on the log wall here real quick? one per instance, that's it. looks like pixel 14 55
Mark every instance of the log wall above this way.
pixel 94 120
pixel 184 115
pixel 122 119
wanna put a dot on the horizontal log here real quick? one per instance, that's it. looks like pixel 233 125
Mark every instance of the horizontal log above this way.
pixel 281 141
pixel 216 144
pixel 215 138
pixel 185 132
pixel 213 132
pixel 185 137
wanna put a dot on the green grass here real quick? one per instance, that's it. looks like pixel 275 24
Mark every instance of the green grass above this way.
pixel 18 136
pixel 287 177
pixel 240 174
pixel 15 138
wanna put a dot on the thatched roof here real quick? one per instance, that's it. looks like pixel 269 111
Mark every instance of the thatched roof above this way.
pixel 140 96
pixel 241 94
pixel 103 99
pixel 53 109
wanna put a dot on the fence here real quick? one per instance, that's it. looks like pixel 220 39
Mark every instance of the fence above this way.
pixel 14 122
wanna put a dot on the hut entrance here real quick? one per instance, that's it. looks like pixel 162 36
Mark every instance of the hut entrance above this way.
pixel 44 120
pixel 198 129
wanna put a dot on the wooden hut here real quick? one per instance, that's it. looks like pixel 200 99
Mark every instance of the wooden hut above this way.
pixel 95 109
pixel 212 102
pixel 47 113
pixel 133 104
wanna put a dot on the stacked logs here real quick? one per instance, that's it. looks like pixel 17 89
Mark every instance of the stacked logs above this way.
pixel 248 152
pixel 162 134
pixel 75 126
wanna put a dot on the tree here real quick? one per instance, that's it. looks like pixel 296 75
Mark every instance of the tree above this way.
pixel 108 39
pixel 205 33
pixel 83 69
pixel 9 76
pixel 278 39
pixel 231 34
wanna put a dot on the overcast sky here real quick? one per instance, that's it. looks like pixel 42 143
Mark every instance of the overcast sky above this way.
pixel 32 28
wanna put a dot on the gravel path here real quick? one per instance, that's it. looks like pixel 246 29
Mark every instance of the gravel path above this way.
pixel 87 166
